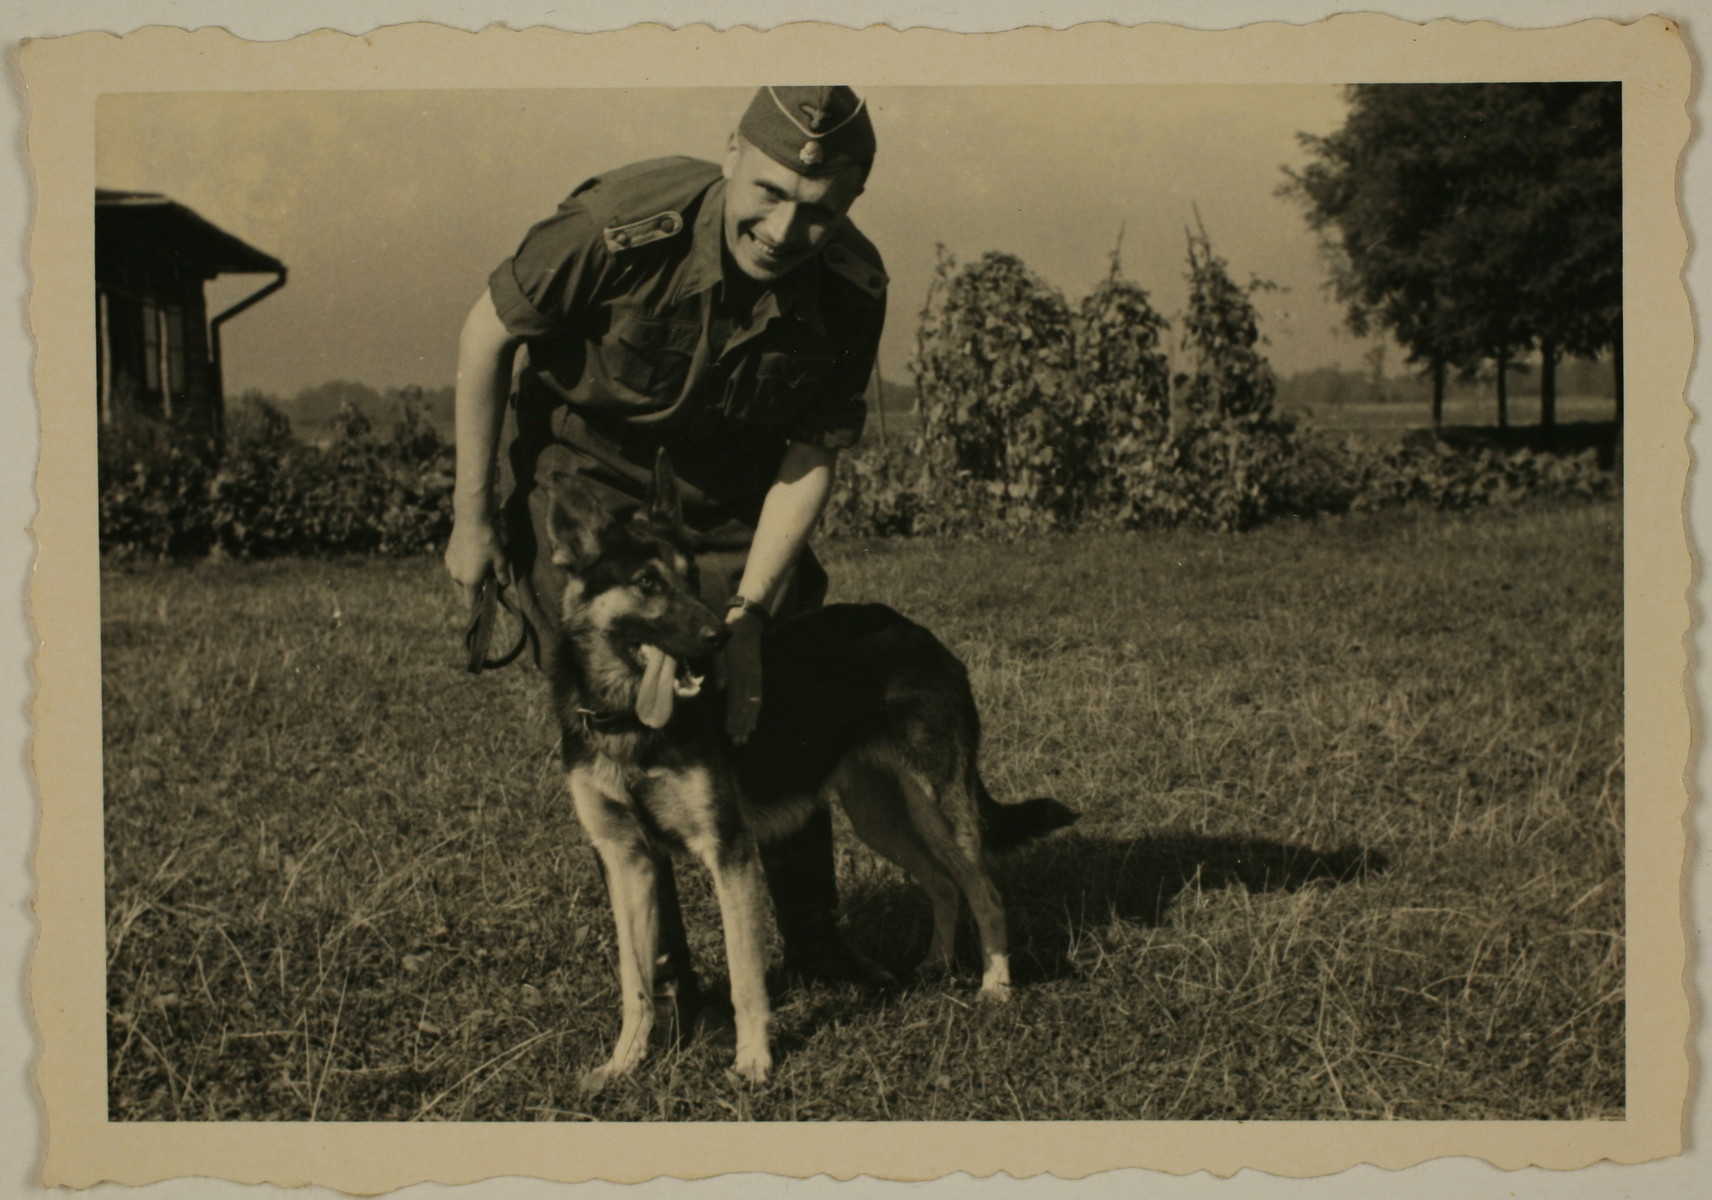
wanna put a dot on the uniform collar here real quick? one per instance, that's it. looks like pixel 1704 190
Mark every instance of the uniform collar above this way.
pixel 797 294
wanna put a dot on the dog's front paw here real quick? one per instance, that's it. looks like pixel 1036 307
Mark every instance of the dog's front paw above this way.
pixel 593 1081
pixel 753 1068
pixel 996 980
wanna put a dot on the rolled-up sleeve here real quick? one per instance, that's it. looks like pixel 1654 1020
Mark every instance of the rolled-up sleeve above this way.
pixel 836 419
pixel 547 284
pixel 832 425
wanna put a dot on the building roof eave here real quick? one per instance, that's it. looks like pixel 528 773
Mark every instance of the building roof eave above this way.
pixel 150 223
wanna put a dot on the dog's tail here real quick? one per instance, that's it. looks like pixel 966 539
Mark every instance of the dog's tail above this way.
pixel 1007 826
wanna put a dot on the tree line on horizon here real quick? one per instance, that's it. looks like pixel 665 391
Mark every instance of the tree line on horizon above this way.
pixel 314 412
pixel 1477 224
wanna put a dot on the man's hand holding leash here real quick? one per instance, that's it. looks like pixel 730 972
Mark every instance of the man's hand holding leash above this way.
pixel 473 553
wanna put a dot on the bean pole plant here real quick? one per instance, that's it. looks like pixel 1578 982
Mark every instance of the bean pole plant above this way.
pixel 1040 416
pixel 1230 445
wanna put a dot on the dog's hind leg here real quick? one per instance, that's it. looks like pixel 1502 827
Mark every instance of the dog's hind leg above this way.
pixel 945 817
pixel 874 801
pixel 741 889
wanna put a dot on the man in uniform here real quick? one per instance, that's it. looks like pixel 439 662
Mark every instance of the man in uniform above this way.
pixel 731 314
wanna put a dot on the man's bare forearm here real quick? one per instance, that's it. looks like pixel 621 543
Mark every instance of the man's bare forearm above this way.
pixel 788 516
pixel 485 353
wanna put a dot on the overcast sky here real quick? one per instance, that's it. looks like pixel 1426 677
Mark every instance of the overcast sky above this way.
pixel 391 208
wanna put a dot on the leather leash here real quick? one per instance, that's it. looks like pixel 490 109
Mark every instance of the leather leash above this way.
pixel 484 615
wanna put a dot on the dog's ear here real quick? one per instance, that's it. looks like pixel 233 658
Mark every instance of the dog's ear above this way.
pixel 575 518
pixel 664 499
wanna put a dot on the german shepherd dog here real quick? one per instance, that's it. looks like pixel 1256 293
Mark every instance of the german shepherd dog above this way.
pixel 861 707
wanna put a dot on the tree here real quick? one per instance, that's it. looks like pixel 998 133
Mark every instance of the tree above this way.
pixel 1474 221
pixel 1575 247
pixel 1374 359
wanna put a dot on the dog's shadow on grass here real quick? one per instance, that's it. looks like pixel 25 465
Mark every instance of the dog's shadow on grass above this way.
pixel 1060 891
pixel 1060 895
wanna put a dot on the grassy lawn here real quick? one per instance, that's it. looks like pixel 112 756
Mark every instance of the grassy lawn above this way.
pixel 1352 844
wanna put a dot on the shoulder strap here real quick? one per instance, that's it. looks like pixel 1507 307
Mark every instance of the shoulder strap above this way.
pixel 644 203
pixel 847 264
pixel 640 233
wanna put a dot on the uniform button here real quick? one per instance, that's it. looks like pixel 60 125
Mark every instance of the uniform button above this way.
pixel 623 239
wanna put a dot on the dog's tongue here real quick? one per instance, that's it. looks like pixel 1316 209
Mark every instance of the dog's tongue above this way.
pixel 654 697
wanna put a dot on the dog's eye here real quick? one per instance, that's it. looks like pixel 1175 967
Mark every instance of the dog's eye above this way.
pixel 647 583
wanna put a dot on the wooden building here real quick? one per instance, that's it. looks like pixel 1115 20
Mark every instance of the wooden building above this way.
pixel 158 350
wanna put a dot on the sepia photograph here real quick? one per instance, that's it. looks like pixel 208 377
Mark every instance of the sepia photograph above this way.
pixel 579 626
pixel 1018 608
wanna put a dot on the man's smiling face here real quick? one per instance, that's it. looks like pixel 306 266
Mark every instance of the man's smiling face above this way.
pixel 775 219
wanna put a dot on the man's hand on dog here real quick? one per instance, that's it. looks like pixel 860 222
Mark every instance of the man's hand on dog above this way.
pixel 471 553
pixel 742 676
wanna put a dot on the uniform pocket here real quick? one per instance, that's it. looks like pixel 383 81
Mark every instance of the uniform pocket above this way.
pixel 650 356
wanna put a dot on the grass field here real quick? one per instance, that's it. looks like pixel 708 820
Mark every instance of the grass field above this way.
pixel 1394 420
pixel 1352 844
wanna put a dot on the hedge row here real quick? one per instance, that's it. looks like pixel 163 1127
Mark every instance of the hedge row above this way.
pixel 883 492
pixel 391 494
pixel 164 496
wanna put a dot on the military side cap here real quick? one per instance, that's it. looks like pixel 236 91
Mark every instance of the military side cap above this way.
pixel 812 130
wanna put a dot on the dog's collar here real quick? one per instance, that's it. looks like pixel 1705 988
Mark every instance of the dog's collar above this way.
pixel 606 722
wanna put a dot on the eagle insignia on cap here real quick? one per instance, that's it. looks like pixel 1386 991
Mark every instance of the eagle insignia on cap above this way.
pixel 813 131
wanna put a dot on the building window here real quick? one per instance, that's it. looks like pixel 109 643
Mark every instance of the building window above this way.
pixel 144 356
pixel 173 384
pixel 151 348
